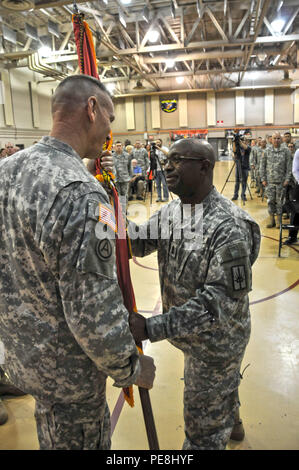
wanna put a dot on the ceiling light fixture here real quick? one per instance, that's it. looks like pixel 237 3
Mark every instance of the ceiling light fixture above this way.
pixel 111 87
pixel 153 35
pixel 169 63
pixel 44 51
pixel 261 56
pixel 278 24
pixel 180 79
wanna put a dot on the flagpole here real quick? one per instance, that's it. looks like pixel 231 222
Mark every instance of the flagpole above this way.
pixel 148 419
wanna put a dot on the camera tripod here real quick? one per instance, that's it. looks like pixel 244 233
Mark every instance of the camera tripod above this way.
pixel 240 178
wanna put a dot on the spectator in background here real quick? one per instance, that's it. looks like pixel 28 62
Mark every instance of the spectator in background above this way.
pixel 292 148
pixel 136 185
pixel 253 160
pixel 269 141
pixel 287 139
pixel 241 157
pixel 262 148
pixel 3 153
pixel 295 169
pixel 140 154
pixel 294 198
pixel 9 149
pixel 161 152
pixel 275 175
pixel 123 173
pixel 129 149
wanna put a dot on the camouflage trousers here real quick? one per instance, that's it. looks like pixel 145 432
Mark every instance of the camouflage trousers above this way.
pixel 274 197
pixel 123 189
pixel 55 433
pixel 208 410
pixel 137 187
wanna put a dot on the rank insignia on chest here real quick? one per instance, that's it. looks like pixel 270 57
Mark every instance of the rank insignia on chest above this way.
pixel 239 277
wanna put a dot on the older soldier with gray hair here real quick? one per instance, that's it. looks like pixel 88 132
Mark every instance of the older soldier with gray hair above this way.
pixel 275 175
pixel 62 318
pixel 205 281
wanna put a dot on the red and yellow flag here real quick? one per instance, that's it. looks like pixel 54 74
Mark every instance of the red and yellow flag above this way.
pixel 88 66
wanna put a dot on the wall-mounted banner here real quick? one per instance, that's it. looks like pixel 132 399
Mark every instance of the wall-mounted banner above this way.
pixel 195 133
pixel 169 106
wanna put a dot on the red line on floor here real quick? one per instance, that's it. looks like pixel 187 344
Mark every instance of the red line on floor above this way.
pixel 142 266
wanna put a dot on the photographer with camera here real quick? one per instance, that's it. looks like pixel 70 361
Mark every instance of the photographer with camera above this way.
pixel 241 149
pixel 160 152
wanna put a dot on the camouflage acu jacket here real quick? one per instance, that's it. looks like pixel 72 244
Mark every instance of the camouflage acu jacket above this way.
pixel 123 167
pixel 204 281
pixel 276 165
pixel 142 159
pixel 62 320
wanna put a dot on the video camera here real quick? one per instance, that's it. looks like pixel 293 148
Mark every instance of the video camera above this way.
pixel 239 135
pixel 153 146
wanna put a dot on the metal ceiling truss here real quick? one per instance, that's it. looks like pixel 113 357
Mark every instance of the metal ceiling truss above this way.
pixel 205 38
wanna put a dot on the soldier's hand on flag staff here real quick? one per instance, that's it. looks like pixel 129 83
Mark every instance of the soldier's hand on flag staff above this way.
pixel 107 161
pixel 147 373
pixel 137 327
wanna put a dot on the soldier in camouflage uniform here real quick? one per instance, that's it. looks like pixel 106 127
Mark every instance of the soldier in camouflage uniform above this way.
pixel 123 174
pixel 62 319
pixel 140 154
pixel 137 183
pixel 260 155
pixel 253 160
pixel 205 280
pixel 275 175
pixel 287 139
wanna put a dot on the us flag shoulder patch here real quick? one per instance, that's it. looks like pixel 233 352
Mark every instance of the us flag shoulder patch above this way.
pixel 106 216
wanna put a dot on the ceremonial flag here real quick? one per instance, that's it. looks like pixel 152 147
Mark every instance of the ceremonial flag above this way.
pixel 88 66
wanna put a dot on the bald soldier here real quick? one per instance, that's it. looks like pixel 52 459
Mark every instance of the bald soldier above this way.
pixel 62 319
pixel 206 246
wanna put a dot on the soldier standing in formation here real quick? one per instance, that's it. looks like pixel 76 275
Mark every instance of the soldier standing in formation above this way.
pixel 253 159
pixel 123 174
pixel 275 175
pixel 62 318
pixel 260 156
pixel 205 280
pixel 140 154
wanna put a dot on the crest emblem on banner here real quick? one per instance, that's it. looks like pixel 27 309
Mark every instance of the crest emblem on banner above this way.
pixel 169 106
